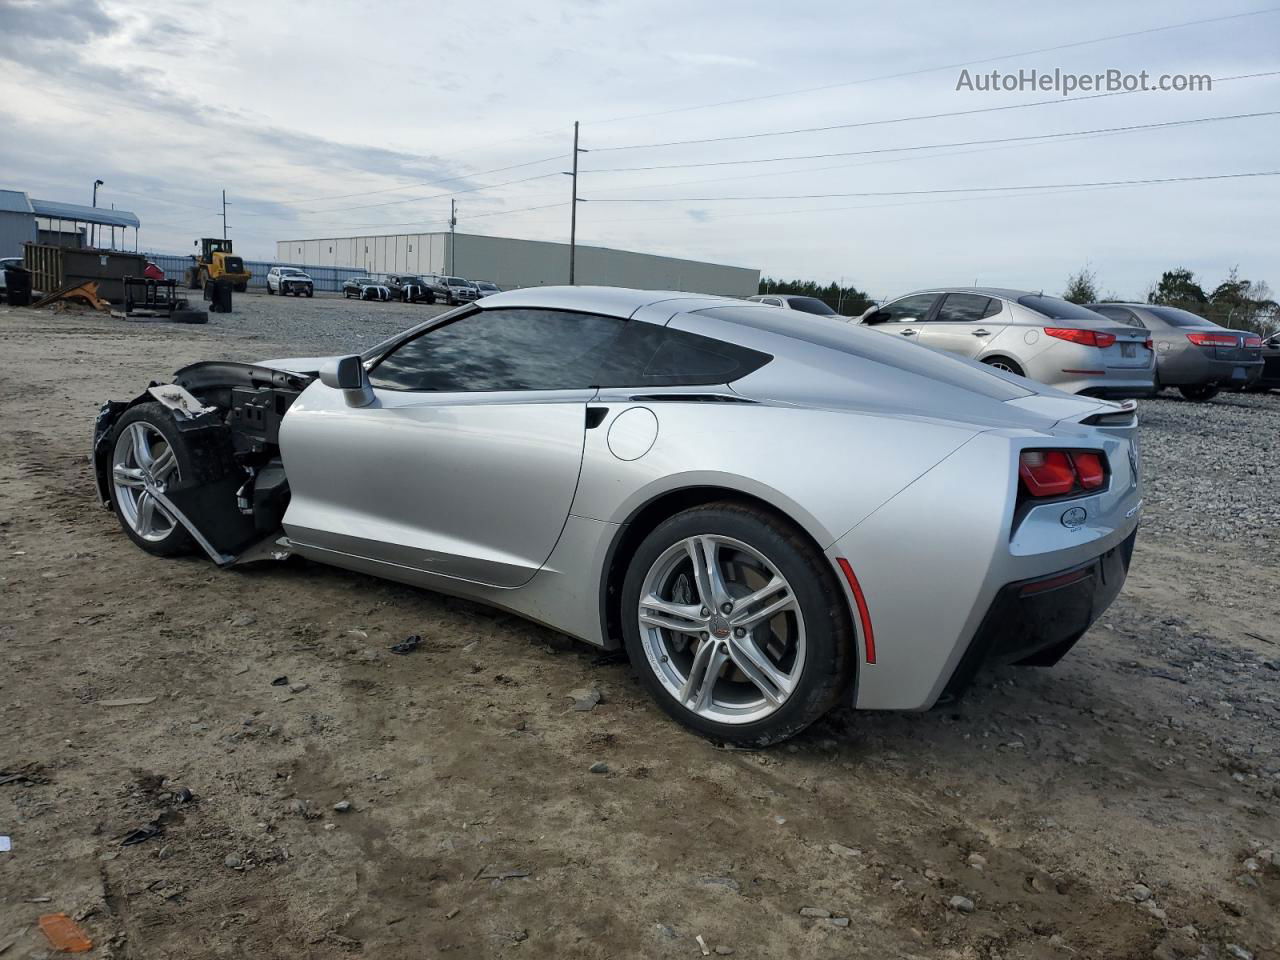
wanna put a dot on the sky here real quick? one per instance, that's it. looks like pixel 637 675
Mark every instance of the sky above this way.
pixel 331 118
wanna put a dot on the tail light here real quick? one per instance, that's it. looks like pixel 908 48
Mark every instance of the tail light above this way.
pixel 1088 338
pixel 1254 342
pixel 1213 339
pixel 1149 344
pixel 1055 473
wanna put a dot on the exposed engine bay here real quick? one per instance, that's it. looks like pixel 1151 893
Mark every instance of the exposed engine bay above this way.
pixel 227 415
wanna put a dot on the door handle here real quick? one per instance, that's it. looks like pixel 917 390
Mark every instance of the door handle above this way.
pixel 908 333
pixel 981 333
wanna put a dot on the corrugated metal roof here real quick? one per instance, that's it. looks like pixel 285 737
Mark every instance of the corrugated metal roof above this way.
pixel 75 211
pixel 14 201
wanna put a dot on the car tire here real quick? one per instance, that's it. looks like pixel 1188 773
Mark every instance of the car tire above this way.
pixel 241 287
pixel 809 647
pixel 1004 363
pixel 310 291
pixel 1200 394
pixel 270 292
pixel 157 424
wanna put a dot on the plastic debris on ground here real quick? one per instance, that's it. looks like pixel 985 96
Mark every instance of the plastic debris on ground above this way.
pixel 64 933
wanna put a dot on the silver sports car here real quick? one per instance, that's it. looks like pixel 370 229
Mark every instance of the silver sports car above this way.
pixel 772 512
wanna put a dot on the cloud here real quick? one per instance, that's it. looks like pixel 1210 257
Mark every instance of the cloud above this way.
pixel 712 59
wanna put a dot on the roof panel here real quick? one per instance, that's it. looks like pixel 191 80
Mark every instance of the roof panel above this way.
pixel 75 211
pixel 14 201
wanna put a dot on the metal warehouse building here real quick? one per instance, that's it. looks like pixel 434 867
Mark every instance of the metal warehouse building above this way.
pixel 510 263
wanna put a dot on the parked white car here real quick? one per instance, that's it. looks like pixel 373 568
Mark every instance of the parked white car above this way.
pixel 1032 335
pixel 286 280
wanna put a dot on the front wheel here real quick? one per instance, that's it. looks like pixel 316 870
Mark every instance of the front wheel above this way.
pixel 148 454
pixel 310 291
pixel 1200 394
pixel 736 624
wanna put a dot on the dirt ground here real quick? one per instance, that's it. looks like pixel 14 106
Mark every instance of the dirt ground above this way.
pixel 1121 805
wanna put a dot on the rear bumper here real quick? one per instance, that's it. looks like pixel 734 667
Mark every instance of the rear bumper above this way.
pixel 1035 622
pixel 1193 369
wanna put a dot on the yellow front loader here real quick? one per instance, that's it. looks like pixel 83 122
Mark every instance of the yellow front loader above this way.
pixel 215 262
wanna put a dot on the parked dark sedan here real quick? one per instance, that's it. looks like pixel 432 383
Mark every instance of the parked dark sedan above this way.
pixel 1270 379
pixel 410 288
pixel 1193 354
pixel 365 288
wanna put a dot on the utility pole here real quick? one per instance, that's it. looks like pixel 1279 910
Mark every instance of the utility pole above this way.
pixel 453 239
pixel 840 298
pixel 573 209
pixel 224 214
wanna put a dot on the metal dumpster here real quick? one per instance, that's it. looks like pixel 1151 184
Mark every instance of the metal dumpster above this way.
pixel 53 268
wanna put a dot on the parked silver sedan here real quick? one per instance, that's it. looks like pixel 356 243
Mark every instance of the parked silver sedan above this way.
pixel 1030 334
pixel 1196 355
pixel 772 513
pixel 794 301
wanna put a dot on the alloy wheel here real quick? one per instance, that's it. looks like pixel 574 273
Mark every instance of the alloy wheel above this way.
pixel 143 462
pixel 722 629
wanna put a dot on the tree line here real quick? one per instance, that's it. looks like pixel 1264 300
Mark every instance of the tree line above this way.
pixel 849 301
pixel 1235 302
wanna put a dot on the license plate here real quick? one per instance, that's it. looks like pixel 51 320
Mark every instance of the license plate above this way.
pixel 1128 350
pixel 1238 374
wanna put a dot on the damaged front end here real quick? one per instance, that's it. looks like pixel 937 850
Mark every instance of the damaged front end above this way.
pixel 232 498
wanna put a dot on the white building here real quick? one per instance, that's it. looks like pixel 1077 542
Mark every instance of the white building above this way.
pixel 514 263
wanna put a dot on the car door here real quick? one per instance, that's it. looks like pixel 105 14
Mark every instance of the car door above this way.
pixel 964 323
pixel 467 460
pixel 904 317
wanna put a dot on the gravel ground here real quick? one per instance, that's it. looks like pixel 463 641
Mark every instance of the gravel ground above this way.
pixel 1123 805
pixel 1212 471
pixel 325 325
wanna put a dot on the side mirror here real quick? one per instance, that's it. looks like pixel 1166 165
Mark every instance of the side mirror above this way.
pixel 348 375
pixel 874 316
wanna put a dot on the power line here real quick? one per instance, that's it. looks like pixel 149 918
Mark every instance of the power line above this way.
pixel 936 146
pixel 908 193
pixel 924 116
pixel 923 70
pixel 425 183
pixel 433 196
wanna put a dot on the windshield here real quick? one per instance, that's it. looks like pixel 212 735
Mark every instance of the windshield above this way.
pixel 484 285
pixel 1056 308
pixel 1180 318
pixel 811 305
pixel 457 282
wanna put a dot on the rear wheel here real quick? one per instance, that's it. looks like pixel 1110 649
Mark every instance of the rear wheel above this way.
pixel 148 454
pixel 1200 394
pixel 1005 364
pixel 736 625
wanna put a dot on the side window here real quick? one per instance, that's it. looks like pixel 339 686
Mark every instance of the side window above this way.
pixel 908 309
pixel 493 350
pixel 772 301
pixel 647 355
pixel 963 308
